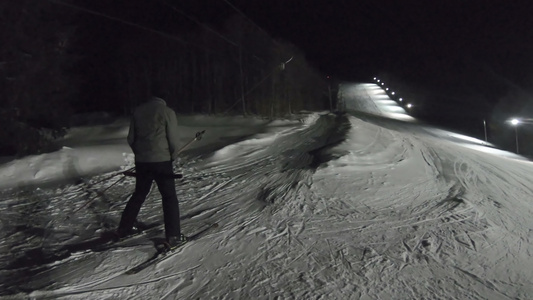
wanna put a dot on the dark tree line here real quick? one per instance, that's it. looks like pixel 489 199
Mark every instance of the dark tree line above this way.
pixel 50 70
pixel 36 88
pixel 246 73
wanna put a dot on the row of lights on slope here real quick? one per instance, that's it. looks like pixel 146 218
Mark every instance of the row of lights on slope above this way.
pixel 515 122
pixel 382 85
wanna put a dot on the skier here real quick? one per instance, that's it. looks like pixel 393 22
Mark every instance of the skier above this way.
pixel 153 137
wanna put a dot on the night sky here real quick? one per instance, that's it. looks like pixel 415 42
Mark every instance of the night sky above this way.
pixel 437 42
pixel 354 38
pixel 463 60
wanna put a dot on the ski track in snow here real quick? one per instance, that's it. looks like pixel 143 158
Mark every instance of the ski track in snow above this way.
pixel 338 207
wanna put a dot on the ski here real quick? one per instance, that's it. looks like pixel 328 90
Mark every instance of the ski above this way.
pixel 163 253
pixel 107 240
pixel 110 241
pixel 36 256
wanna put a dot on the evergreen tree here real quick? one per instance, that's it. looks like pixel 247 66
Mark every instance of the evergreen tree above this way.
pixel 35 86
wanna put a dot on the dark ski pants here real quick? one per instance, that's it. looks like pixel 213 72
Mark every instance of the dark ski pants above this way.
pixel 162 173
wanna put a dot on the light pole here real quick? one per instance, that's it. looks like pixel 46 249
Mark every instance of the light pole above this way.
pixel 515 123
pixel 485 128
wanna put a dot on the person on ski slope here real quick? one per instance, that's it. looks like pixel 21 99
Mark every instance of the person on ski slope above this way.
pixel 153 137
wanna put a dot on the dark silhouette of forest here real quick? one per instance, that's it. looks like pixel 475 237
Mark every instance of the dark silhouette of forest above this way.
pixel 59 59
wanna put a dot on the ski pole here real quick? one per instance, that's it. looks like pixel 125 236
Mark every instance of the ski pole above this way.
pixel 97 194
pixel 197 137
pixel 114 175
pixel 131 172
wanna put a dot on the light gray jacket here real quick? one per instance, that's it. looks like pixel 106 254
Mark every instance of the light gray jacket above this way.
pixel 153 134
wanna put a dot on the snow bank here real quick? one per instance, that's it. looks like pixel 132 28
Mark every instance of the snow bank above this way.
pixel 62 166
pixel 94 149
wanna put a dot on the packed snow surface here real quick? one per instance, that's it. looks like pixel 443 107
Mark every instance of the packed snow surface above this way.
pixel 369 204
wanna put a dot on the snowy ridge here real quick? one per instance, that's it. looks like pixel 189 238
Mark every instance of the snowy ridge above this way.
pixel 339 206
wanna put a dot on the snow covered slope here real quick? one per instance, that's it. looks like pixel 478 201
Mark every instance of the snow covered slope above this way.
pixel 326 206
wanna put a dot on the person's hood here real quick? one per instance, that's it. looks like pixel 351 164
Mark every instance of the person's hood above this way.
pixel 157 99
